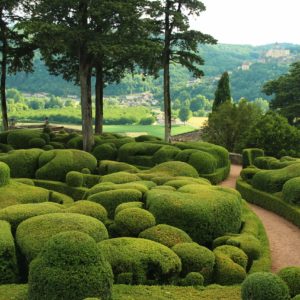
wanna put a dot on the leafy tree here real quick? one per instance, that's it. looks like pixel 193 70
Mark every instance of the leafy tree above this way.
pixel 54 102
pixel 184 114
pixel 180 45
pixel 176 104
pixel 274 134
pixel 16 52
pixel 230 124
pixel 286 91
pixel 222 93
pixel 198 103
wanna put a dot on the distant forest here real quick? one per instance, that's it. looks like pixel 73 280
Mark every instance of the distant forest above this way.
pixel 218 58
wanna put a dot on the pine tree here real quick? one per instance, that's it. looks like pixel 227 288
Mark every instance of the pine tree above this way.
pixel 222 93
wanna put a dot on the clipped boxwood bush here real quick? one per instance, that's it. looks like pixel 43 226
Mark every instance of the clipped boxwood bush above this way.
pixel 264 286
pixel 4 174
pixel 33 233
pixel 74 179
pixel 8 259
pixel 21 138
pixel 107 151
pixel 230 265
pixel 272 181
pixel 108 167
pixel 22 163
pixel 37 143
pixel 291 276
pixel 291 191
pixel 196 213
pixel 55 164
pixel 88 208
pixel 126 205
pixel 250 154
pixel 15 214
pixel 193 279
pixel 195 258
pixel 111 199
pixel 148 261
pixel 19 193
pixel 132 221
pixel 165 153
pixel 70 267
pixel 166 235
pixel 120 177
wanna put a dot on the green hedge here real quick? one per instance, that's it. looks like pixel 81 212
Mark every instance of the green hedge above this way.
pixel 4 174
pixel 19 193
pixel 70 267
pixel 108 167
pixel 22 163
pixel 269 202
pixel 8 259
pixel 33 233
pixel 15 214
pixel 291 191
pixel 55 164
pixel 250 154
pixel 291 276
pixel 195 258
pixel 132 221
pixel 166 235
pixel 147 261
pixel 195 213
pixel 120 177
pixel 111 199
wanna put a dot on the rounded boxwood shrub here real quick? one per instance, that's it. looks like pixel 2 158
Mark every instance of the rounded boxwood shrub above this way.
pixel 108 167
pixel 111 199
pixel 296 297
pixel 37 143
pixel 195 258
pixel 20 139
pixel 70 267
pixel 120 177
pixel 165 153
pixel 55 164
pixel 5 148
pixel 4 174
pixel 136 204
pixel 203 162
pixel 230 265
pixel 57 145
pixel 216 208
pixel 264 286
pixel 193 279
pixel 15 214
pixel 74 179
pixel 291 191
pixel 178 183
pixel 132 221
pixel 88 208
pixel 147 138
pixel 148 261
pixel 166 235
pixel 291 276
pixel 47 148
pixel 105 152
pixel 33 233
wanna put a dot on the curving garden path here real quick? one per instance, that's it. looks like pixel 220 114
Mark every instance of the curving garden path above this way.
pixel 284 237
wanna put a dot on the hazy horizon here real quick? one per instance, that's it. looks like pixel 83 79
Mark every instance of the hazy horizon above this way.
pixel 250 22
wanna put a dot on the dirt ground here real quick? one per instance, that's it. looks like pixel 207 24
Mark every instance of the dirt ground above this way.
pixel 284 237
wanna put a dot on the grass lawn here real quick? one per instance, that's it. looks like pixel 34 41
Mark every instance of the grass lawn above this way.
pixel 132 130
pixel 139 292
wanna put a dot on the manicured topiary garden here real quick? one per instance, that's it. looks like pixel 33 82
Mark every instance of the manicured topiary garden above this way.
pixel 272 183
pixel 131 219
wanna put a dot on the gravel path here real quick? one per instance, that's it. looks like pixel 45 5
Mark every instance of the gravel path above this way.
pixel 284 237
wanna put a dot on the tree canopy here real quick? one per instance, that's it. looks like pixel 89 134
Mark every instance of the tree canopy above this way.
pixel 222 93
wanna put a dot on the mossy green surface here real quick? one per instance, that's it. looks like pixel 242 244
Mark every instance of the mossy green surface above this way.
pixel 55 164
pixel 108 167
pixel 132 221
pixel 19 193
pixel 21 138
pixel 291 276
pixel 70 267
pixel 195 258
pixel 8 258
pixel 15 214
pixel 148 261
pixel 4 174
pixel 195 213
pixel 264 286
pixel 122 206
pixel 22 163
pixel 120 177
pixel 291 191
pixel 111 199
pixel 166 235
pixel 33 233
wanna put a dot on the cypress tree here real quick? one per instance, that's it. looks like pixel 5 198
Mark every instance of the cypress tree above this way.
pixel 222 93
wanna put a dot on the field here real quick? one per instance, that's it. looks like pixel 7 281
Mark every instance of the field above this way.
pixel 133 130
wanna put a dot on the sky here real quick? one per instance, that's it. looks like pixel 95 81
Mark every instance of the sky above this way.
pixel 254 22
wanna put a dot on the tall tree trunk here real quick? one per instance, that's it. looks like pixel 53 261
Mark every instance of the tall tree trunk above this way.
pixel 86 106
pixel 3 75
pixel 166 67
pixel 99 100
